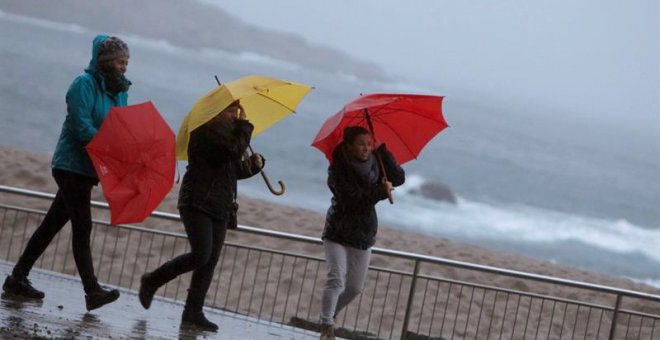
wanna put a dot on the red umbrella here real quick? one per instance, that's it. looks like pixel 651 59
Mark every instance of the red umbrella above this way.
pixel 405 122
pixel 134 156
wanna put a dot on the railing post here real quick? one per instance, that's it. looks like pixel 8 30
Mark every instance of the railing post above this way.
pixel 411 296
pixel 616 311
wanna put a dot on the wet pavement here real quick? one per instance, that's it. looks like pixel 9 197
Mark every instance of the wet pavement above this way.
pixel 62 315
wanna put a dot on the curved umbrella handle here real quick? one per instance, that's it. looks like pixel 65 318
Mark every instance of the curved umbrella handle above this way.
pixel 270 186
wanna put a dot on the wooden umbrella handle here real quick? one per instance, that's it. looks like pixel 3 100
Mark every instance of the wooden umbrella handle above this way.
pixel 380 161
pixel 382 169
pixel 270 186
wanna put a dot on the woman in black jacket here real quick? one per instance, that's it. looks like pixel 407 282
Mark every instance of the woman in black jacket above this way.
pixel 215 163
pixel 357 184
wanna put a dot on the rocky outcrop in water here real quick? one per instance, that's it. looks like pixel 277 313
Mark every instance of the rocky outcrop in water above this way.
pixel 435 191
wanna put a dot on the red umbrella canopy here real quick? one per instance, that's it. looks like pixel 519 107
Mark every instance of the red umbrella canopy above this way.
pixel 133 153
pixel 405 122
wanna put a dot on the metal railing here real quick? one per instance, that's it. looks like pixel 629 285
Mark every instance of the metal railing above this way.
pixel 407 296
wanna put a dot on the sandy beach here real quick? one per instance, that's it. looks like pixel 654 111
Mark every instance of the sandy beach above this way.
pixel 32 171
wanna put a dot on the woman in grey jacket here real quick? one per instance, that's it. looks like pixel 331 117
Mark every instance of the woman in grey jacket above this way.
pixel 357 184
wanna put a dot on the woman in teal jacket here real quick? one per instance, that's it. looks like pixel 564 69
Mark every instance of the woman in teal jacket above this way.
pixel 89 98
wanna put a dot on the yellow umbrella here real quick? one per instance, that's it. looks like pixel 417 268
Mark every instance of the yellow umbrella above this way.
pixel 266 101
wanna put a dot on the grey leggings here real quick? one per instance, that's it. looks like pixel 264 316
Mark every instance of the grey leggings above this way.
pixel 346 273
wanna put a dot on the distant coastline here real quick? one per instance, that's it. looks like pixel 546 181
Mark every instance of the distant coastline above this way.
pixel 193 24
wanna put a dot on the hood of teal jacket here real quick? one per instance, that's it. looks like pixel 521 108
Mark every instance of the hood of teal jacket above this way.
pixel 96 46
pixel 88 103
pixel 93 67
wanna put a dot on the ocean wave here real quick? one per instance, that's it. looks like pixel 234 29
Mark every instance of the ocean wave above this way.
pixel 52 25
pixel 650 282
pixel 161 45
pixel 208 53
pixel 473 220
pixel 413 181
pixel 154 44
pixel 406 87
pixel 254 58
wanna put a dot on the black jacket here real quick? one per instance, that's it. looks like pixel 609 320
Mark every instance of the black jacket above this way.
pixel 351 219
pixel 215 163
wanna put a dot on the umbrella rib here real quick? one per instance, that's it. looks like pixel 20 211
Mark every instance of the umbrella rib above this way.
pixel 134 139
pixel 356 119
pixel 395 132
pixel 386 106
pixel 360 118
pixel 276 102
pixel 393 111
pixel 375 116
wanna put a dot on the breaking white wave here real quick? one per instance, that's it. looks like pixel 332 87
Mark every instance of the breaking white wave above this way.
pixel 517 223
pixel 650 282
pixel 47 24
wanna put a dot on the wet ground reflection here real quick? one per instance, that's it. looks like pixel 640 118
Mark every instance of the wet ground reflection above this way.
pixel 140 330
pixel 62 315
pixel 188 333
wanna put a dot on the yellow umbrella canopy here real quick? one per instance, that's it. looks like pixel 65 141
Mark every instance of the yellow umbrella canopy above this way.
pixel 266 101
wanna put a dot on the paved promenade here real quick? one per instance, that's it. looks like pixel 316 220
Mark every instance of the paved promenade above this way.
pixel 62 315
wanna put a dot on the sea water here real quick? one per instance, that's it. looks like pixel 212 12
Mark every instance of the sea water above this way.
pixel 539 185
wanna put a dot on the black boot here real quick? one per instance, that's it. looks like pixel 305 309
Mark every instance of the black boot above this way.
pixel 327 332
pixel 21 286
pixel 197 319
pixel 100 297
pixel 147 291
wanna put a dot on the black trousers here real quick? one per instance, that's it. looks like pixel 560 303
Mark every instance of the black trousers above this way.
pixel 71 203
pixel 206 236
